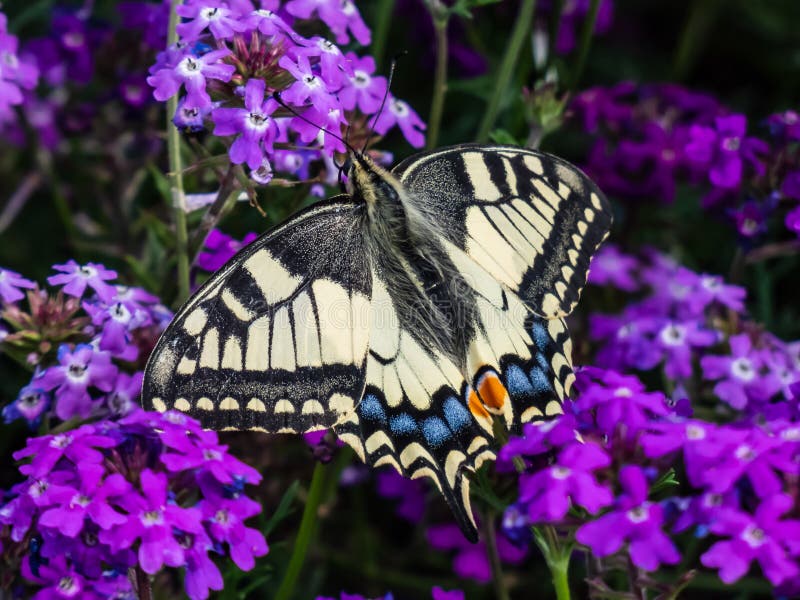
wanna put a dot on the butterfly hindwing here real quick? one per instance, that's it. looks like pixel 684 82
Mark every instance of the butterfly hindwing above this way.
pixel 530 219
pixel 415 414
pixel 276 339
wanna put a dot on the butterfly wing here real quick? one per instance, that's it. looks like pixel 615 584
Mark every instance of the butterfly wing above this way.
pixel 414 414
pixel 276 340
pixel 533 221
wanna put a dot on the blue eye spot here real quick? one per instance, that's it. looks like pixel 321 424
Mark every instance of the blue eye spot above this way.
pixel 403 424
pixel 541 384
pixel 371 409
pixel 435 431
pixel 457 416
pixel 517 383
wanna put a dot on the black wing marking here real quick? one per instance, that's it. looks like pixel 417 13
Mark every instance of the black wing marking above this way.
pixel 531 220
pixel 276 340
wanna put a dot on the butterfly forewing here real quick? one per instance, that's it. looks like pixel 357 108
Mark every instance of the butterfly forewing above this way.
pixel 531 220
pixel 277 339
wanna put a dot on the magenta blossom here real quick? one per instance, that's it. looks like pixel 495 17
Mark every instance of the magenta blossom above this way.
pixel 635 521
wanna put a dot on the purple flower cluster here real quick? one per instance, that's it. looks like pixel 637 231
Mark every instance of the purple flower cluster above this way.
pixel 245 56
pixel 687 320
pixel 82 346
pixel 147 491
pixel 648 138
pixel 607 480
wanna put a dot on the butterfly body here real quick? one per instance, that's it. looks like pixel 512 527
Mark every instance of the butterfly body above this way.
pixel 407 315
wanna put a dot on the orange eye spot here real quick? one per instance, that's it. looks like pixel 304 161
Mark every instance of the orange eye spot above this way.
pixel 492 391
pixel 475 406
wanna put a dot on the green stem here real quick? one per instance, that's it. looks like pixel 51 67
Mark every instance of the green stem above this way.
pixel 304 534
pixel 501 592
pixel 521 30
pixel 557 558
pixel 385 10
pixel 176 177
pixel 440 17
pixel 702 17
pixel 586 42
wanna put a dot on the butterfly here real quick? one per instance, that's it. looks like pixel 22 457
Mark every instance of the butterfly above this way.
pixel 407 315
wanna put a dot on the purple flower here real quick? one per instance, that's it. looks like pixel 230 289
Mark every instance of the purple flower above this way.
pixel 268 23
pixel 189 451
pixel 212 14
pixel 334 69
pixel 60 581
pixel 438 593
pixel 340 15
pixel 10 282
pixel 548 493
pixel 79 446
pixel 15 74
pixel 202 574
pixel 257 130
pixel 76 278
pixel 677 340
pixel 410 492
pixel 572 17
pixel 77 371
pixel 785 125
pixel 724 150
pixel 317 124
pixel 191 118
pixel 220 248
pixel 540 437
pixel 362 89
pixel 134 91
pixel 122 399
pixel 790 188
pixel 151 19
pixel 226 525
pixel 761 537
pixel 401 114
pixel 634 521
pixel 612 267
pixel 308 88
pixel 793 221
pixel 619 402
pixel 742 377
pixel 87 499
pixel 30 404
pixel 117 321
pixel 154 521
pixel 191 72
pixel 471 561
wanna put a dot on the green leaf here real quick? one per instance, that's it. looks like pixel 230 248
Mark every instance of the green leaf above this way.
pixel 283 510
pixel 501 136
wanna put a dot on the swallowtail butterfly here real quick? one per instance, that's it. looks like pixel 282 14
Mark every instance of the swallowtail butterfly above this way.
pixel 405 315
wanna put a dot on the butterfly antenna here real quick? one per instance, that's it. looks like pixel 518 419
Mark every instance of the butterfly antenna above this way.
pixel 279 100
pixel 385 97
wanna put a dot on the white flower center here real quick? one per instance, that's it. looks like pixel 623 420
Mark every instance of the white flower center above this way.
pixel 87 272
pixel 623 392
pixel 361 79
pixel 189 67
pixel 257 121
pixel 754 536
pixel 745 452
pixel 673 335
pixel 693 432
pixel 62 440
pixel 120 313
pixel 712 284
pixel 638 514
pixel 151 517
pixel 742 368
pixel 560 472
pixel 400 109
pixel 731 143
